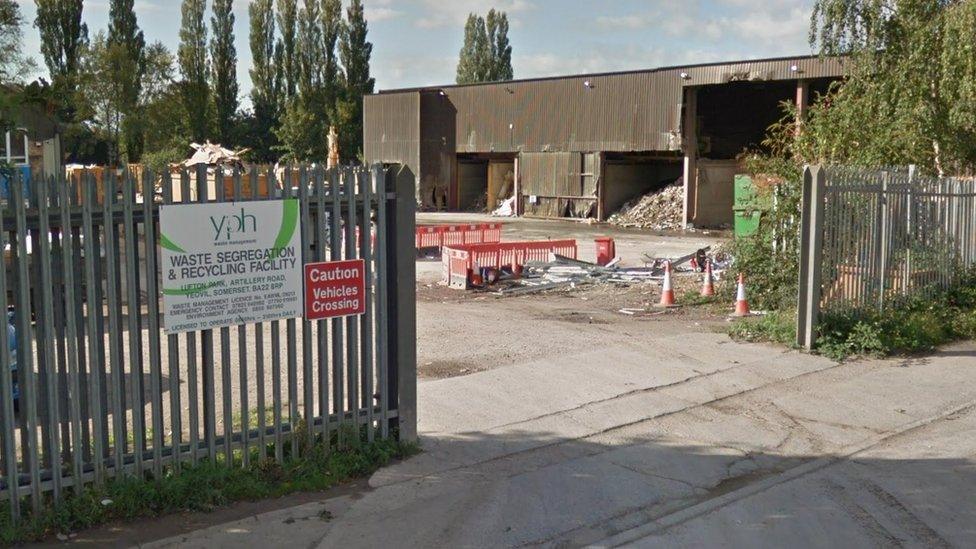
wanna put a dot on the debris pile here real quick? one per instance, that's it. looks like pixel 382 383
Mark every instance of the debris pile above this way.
pixel 212 154
pixel 506 209
pixel 659 210
pixel 564 272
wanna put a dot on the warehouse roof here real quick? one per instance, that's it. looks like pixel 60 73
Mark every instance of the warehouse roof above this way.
pixel 822 67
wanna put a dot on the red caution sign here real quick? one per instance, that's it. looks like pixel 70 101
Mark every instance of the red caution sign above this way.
pixel 335 289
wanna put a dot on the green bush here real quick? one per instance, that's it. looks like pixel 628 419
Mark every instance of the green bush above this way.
pixel 908 325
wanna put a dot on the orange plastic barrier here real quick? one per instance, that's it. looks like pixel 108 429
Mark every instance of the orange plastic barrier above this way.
pixel 463 262
pixel 438 236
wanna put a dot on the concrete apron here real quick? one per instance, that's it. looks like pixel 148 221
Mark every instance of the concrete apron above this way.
pixel 736 445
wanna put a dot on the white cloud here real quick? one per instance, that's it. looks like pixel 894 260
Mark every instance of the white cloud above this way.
pixel 441 13
pixel 771 30
pixel 413 71
pixel 630 22
pixel 680 21
pixel 381 14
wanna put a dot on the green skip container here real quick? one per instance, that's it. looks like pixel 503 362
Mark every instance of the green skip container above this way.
pixel 748 206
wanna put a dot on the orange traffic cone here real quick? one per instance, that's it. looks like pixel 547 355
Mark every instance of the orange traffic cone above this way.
pixel 741 305
pixel 667 294
pixel 708 288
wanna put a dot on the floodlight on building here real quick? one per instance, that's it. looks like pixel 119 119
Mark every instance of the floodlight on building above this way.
pixel 588 84
pixel 685 76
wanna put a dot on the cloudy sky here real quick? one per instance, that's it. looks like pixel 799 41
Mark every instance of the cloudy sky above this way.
pixel 416 42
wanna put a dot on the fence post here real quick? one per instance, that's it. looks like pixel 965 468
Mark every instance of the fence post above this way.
pixel 909 228
pixel 401 278
pixel 884 238
pixel 811 248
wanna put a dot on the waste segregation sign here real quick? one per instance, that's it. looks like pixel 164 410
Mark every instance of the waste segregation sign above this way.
pixel 335 288
pixel 230 263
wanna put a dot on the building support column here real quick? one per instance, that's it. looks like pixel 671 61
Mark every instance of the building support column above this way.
pixel 802 103
pixel 517 184
pixel 601 190
pixel 689 140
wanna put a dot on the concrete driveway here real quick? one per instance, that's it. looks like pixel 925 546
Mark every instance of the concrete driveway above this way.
pixel 651 444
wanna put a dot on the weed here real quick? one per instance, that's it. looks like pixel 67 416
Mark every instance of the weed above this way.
pixel 202 487
pixel 776 327
pixel 908 325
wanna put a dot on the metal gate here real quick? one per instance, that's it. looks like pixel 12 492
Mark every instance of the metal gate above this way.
pixel 90 385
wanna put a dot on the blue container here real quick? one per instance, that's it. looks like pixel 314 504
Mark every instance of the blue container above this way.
pixel 25 176
pixel 12 345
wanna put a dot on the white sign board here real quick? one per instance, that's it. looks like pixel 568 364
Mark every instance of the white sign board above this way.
pixel 230 263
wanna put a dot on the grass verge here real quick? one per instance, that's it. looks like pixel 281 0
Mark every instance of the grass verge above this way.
pixel 914 325
pixel 202 487
pixel 776 327
pixel 908 325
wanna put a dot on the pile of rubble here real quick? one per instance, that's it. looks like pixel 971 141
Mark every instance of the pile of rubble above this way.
pixel 659 210
pixel 212 154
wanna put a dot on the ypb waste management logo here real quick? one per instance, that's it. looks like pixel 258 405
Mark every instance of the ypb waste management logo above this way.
pixel 227 227
pixel 225 264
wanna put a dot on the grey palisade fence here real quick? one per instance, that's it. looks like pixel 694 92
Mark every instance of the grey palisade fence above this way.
pixel 870 237
pixel 103 391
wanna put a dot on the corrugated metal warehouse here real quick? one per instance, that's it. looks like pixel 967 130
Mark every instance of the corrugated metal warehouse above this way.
pixel 581 146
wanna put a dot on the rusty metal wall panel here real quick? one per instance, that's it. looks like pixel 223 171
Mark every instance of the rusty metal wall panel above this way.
pixel 773 69
pixel 437 142
pixel 485 118
pixel 566 115
pixel 551 174
pixel 391 129
pixel 592 166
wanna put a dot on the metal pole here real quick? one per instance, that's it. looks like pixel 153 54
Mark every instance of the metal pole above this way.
pixel 402 306
pixel 883 240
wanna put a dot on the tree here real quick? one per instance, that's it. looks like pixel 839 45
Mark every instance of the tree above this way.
pixel 162 110
pixel 500 66
pixel 475 54
pixel 124 35
pixel 486 55
pixel 100 86
pixel 192 56
pixel 332 29
pixel 13 64
pixel 310 56
pixel 909 96
pixel 288 25
pixel 266 86
pixel 224 78
pixel 63 39
pixel 304 125
pixel 354 52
